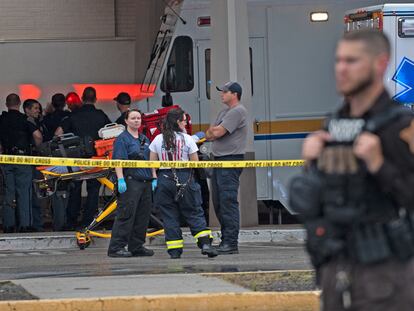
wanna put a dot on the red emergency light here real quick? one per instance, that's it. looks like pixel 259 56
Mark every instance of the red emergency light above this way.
pixel 29 91
pixel 105 92
pixel 204 21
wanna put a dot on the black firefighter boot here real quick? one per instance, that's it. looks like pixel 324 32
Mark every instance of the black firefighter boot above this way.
pixel 204 243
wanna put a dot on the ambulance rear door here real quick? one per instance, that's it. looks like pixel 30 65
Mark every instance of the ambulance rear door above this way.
pixel 403 75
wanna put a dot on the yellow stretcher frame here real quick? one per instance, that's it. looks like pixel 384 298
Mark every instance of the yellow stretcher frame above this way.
pixel 84 236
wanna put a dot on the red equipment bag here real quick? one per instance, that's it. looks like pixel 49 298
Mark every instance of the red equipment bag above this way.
pixel 152 122
pixel 104 147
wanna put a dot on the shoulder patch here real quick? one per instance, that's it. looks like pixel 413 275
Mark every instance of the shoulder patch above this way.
pixel 407 135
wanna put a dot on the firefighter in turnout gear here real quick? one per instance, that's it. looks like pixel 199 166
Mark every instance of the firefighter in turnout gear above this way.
pixel 176 192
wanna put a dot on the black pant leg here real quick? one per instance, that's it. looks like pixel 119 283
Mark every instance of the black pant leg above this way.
pixel 190 208
pixel 142 216
pixel 92 201
pixel 228 181
pixel 74 203
pixel 125 216
pixel 164 199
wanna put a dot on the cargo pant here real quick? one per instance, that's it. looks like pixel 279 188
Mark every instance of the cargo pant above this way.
pixel 132 216
pixel 225 185
pixel 17 200
pixel 386 286
pixel 188 206
pixel 37 215
pixel 59 206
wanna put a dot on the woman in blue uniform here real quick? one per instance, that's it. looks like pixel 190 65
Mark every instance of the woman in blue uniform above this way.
pixel 134 188
pixel 177 193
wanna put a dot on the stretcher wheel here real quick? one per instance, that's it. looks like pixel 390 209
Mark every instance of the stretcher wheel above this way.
pixel 83 240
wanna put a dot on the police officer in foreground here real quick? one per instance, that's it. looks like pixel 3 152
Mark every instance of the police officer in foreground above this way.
pixel 356 197
pixel 85 122
pixel 123 103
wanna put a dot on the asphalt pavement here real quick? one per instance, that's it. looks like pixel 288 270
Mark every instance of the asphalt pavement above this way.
pixel 72 273
pixel 94 262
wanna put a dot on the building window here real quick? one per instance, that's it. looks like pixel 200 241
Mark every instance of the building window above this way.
pixel 179 73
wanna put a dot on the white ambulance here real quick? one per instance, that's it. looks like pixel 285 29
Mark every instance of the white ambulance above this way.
pixel 397 22
pixel 291 59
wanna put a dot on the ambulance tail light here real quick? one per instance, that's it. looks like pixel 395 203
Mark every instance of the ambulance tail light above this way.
pixel 204 21
pixel 378 18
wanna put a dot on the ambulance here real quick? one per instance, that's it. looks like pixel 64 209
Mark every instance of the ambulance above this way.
pixel 292 57
pixel 397 22
pixel 288 102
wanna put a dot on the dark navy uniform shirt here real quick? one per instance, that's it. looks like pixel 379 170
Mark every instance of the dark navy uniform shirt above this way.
pixel 127 147
pixel 16 133
pixel 85 121
pixel 121 119
pixel 52 121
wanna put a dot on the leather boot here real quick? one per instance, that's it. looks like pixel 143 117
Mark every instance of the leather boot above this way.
pixel 175 253
pixel 227 249
pixel 206 248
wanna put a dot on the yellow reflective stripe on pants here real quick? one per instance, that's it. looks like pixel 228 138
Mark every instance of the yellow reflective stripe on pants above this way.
pixel 175 244
pixel 203 234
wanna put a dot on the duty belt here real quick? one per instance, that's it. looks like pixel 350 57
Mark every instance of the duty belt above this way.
pixel 370 243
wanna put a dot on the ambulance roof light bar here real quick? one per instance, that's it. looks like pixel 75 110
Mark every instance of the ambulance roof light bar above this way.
pixel 363 19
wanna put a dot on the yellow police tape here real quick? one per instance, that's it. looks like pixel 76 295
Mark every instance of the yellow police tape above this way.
pixel 44 161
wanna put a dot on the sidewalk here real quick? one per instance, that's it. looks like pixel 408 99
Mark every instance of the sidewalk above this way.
pixel 74 280
pixel 64 240
pixel 126 285
pixel 154 292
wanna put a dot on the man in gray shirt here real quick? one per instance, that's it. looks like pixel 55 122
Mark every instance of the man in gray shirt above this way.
pixel 229 135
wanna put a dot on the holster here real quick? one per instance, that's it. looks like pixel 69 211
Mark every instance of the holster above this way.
pixel 401 236
pixel 324 241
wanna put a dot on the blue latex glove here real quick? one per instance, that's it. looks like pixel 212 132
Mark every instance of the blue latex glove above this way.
pixel 154 184
pixel 200 135
pixel 197 136
pixel 122 187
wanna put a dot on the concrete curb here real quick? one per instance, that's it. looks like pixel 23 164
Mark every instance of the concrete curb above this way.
pixel 287 301
pixel 68 240
pixel 17 243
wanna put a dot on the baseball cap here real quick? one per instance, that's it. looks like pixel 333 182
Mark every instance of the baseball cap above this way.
pixel 73 101
pixel 123 99
pixel 233 87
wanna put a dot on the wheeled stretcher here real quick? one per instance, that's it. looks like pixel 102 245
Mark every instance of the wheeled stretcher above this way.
pixel 53 177
pixel 47 186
